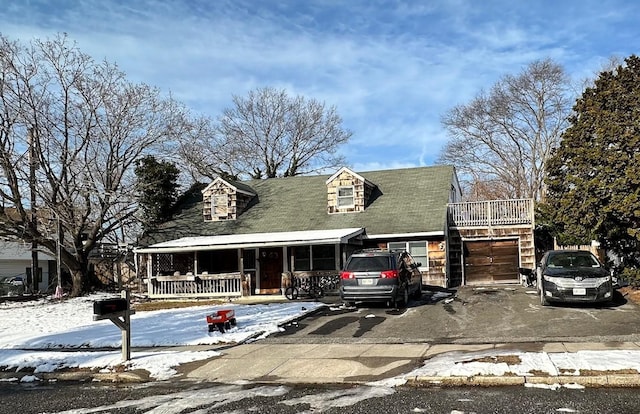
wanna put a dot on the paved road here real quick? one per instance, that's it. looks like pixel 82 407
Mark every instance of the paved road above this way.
pixel 468 315
pixel 180 398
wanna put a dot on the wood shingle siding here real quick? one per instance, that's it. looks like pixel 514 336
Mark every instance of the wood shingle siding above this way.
pixel 222 200
pixel 362 190
pixel 437 263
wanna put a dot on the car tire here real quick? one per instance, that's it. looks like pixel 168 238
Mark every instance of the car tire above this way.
pixel 418 293
pixel 543 298
pixel 401 299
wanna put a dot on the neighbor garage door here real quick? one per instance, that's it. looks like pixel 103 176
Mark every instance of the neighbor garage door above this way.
pixel 491 261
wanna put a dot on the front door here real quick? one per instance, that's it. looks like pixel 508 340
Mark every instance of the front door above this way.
pixel 271 270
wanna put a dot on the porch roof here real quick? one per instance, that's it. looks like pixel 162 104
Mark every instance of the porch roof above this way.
pixel 235 241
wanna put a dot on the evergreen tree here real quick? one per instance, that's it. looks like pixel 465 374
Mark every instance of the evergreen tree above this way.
pixel 157 187
pixel 594 175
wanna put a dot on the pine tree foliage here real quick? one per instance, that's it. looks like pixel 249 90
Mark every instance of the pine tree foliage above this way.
pixel 157 183
pixel 594 175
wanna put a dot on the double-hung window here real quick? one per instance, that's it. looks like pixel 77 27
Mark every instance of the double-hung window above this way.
pixel 346 196
pixel 417 249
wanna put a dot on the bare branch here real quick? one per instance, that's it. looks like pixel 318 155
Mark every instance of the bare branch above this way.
pixel 503 138
pixel 90 127
pixel 268 134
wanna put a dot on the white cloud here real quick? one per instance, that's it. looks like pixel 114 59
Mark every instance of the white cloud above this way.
pixel 391 69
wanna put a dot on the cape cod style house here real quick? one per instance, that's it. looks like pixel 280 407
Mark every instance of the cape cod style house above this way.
pixel 240 238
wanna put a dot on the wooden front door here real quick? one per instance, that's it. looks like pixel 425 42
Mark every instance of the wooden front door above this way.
pixel 491 261
pixel 271 270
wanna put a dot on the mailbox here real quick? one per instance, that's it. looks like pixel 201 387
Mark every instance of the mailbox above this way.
pixel 117 311
pixel 109 306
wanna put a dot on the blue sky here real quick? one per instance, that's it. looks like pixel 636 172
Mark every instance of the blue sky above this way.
pixel 391 68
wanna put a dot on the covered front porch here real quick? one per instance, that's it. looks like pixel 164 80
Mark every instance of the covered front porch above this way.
pixel 245 264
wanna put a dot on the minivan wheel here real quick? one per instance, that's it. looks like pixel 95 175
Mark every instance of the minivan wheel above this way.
pixel 418 293
pixel 404 300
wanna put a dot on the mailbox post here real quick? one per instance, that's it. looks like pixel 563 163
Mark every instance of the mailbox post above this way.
pixel 117 311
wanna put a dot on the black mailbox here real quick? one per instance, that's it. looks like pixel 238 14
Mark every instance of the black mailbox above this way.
pixel 107 306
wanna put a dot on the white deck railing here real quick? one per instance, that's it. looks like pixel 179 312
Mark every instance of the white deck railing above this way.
pixel 491 213
pixel 222 285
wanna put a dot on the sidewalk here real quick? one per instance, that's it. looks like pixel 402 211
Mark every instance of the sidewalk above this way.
pixel 424 364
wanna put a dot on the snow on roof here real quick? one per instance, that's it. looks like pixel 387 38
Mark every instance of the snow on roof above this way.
pixel 231 241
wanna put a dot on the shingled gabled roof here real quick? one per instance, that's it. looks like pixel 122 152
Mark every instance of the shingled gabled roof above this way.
pixel 236 185
pixel 405 201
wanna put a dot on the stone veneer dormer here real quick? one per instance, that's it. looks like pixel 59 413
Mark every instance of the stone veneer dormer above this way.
pixel 348 192
pixel 225 200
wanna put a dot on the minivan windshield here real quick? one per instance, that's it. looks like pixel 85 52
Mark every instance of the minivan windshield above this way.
pixel 369 263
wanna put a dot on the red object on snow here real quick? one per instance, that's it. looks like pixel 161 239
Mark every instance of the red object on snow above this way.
pixel 221 320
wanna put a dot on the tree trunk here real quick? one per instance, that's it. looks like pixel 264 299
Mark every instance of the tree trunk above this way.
pixel 77 280
pixel 79 277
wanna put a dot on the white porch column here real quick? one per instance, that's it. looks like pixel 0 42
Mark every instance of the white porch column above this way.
pixel 195 263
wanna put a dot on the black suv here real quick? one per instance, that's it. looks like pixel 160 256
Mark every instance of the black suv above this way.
pixel 380 276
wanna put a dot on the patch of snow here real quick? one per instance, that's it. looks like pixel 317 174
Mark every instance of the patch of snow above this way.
pixel 33 333
pixel 29 378
pixel 322 402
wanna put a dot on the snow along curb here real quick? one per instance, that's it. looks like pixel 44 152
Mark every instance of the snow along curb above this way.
pixel 596 381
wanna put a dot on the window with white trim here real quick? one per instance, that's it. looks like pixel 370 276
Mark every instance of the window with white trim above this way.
pixel 302 258
pixel 346 196
pixel 317 257
pixel 417 249
pixel 323 257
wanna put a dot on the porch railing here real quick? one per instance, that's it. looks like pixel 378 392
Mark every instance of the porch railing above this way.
pixel 196 286
pixel 491 213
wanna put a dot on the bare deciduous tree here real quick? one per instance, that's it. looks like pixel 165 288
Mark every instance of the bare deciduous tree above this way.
pixel 501 140
pixel 269 134
pixel 87 126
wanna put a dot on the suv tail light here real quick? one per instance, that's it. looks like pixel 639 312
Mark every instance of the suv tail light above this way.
pixel 347 275
pixel 389 274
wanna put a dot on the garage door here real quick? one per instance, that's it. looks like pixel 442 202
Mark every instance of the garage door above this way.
pixel 491 261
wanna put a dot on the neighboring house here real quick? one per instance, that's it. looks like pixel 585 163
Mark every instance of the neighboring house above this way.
pixel 15 260
pixel 248 237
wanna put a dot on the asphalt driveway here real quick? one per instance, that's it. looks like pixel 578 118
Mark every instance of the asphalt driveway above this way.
pixel 468 315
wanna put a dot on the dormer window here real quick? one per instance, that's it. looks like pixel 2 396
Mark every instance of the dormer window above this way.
pixel 225 200
pixel 345 197
pixel 348 192
pixel 220 206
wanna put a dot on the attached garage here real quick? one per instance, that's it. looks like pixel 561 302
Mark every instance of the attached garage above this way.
pixel 491 261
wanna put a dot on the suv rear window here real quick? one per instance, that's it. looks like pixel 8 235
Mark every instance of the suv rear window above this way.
pixel 369 263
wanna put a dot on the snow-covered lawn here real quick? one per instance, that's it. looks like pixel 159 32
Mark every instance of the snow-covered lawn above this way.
pixel 34 334
pixel 38 335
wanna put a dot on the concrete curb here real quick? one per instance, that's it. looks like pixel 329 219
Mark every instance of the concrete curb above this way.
pixel 596 381
pixel 138 376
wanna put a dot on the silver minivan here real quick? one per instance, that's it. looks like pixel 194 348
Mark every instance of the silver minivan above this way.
pixel 380 276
